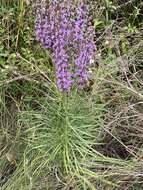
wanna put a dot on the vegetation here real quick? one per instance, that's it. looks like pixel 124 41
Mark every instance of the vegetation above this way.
pixel 90 140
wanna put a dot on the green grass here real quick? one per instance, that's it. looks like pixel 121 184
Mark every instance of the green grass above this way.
pixel 54 138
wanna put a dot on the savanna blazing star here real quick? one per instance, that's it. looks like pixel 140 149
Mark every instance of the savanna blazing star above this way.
pixel 65 30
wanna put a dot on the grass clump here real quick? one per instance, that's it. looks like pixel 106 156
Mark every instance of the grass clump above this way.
pixel 62 143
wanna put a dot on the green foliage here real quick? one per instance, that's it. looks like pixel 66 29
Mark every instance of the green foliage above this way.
pixel 58 133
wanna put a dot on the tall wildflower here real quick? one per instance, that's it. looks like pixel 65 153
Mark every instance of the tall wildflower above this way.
pixel 65 30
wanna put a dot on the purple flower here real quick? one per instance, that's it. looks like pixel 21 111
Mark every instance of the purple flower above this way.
pixel 64 29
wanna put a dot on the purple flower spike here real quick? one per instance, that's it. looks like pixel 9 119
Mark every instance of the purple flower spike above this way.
pixel 65 30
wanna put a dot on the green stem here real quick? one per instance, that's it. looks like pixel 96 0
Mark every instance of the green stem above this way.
pixel 66 128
